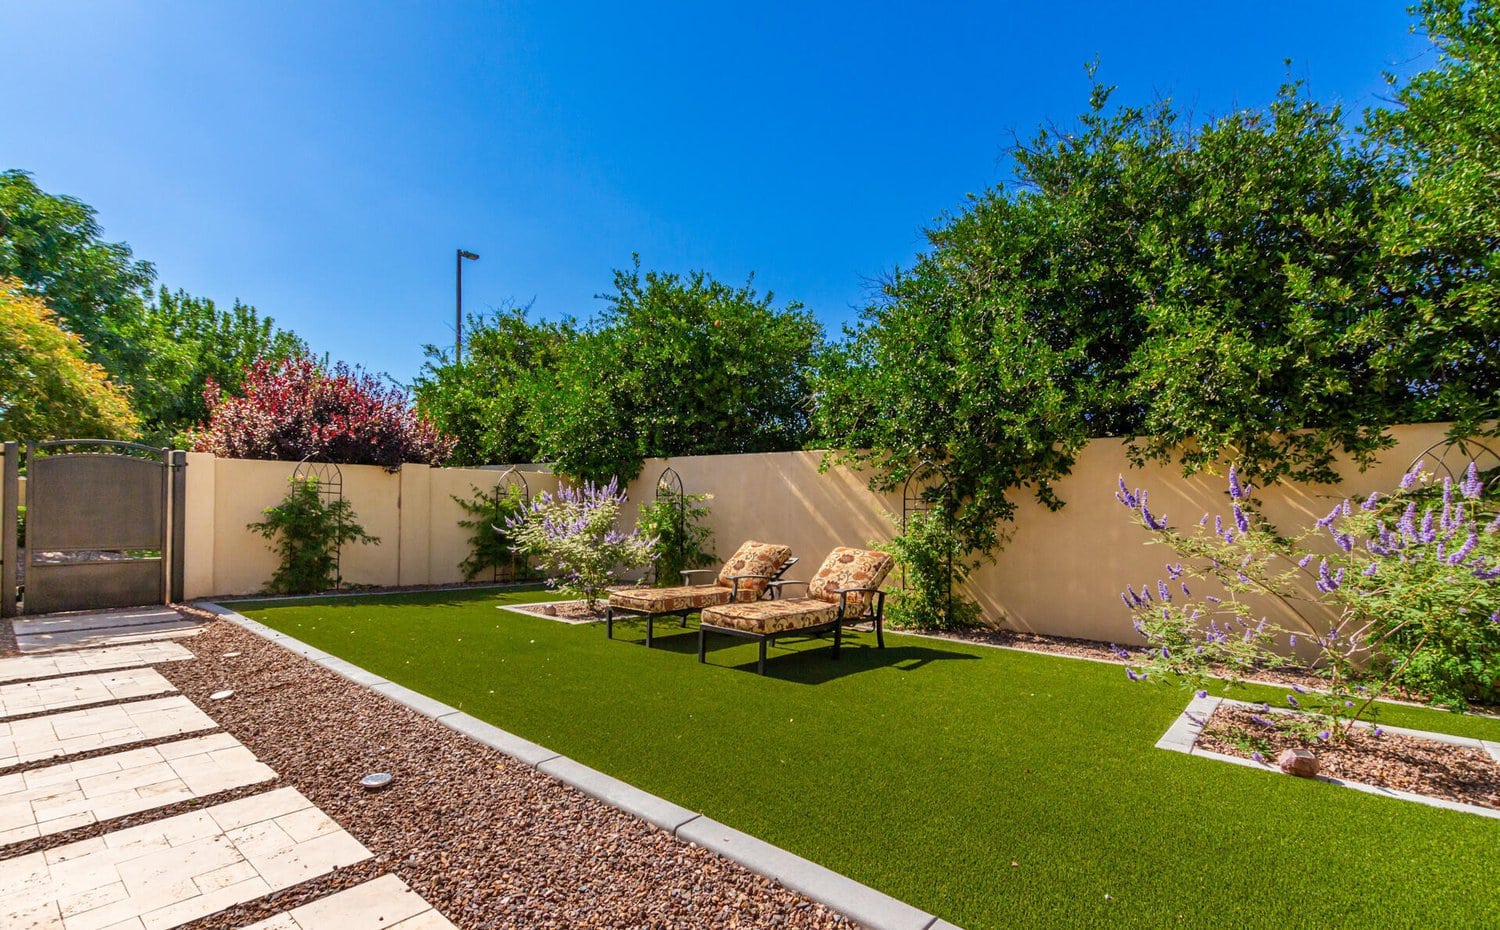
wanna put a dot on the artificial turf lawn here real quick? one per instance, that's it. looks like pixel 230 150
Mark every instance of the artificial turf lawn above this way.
pixel 991 787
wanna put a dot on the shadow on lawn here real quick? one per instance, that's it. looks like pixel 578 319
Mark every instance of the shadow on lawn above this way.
pixel 804 661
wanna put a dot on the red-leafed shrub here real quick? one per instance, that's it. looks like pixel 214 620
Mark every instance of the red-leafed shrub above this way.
pixel 296 408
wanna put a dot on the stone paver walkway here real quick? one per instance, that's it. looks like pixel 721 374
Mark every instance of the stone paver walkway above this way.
pixel 385 903
pixel 30 697
pixel 101 628
pixel 165 873
pixel 77 731
pixel 46 665
pixel 171 870
pixel 61 797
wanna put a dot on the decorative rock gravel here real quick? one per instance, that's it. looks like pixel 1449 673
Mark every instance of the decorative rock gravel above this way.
pixel 489 842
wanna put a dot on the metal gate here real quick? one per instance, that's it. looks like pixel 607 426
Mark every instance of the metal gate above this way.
pixel 103 529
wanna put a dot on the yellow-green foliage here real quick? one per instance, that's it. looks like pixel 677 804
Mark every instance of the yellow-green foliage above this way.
pixel 48 388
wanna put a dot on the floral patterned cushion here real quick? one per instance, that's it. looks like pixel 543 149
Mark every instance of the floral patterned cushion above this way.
pixel 850 568
pixel 669 600
pixel 754 558
pixel 771 616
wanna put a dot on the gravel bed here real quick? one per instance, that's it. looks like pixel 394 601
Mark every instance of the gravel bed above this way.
pixel 566 611
pixel 8 645
pixel 488 841
pixel 1389 760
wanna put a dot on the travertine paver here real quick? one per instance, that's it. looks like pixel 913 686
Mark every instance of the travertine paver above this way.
pixel 102 628
pixel 74 794
pixel 385 902
pixel 90 660
pixel 30 697
pixel 168 872
pixel 74 731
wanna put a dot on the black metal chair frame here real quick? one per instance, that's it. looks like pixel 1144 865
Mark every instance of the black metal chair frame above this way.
pixel 836 625
pixel 734 595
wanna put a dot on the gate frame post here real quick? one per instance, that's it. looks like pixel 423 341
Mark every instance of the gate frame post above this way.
pixel 10 500
pixel 178 469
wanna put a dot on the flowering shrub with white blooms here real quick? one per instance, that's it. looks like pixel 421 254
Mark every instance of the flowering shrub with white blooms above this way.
pixel 1406 588
pixel 572 534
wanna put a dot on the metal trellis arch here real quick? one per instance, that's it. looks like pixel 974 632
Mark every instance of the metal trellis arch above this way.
pixel 926 497
pixel 330 479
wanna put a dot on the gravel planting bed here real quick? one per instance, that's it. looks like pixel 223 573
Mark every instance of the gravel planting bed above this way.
pixel 566 611
pixel 1389 760
pixel 488 841
pixel 7 640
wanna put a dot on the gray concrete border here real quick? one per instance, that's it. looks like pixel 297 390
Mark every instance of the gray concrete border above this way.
pixel 859 902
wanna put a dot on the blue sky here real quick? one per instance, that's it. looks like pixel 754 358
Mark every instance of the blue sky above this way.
pixel 323 160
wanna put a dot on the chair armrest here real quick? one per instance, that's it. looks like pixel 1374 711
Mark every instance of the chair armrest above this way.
pixel 696 571
pixel 738 577
pixel 775 587
pixel 854 590
pixel 734 584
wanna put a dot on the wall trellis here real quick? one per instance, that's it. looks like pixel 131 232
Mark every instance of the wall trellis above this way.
pixel 931 493
pixel 330 479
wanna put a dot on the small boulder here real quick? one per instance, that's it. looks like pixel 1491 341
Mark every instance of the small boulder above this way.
pixel 1299 762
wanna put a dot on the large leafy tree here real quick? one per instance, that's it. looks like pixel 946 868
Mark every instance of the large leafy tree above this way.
pixel 48 387
pixel 678 366
pixel 1210 291
pixel 488 401
pixel 165 346
pixel 53 245
pixel 1441 239
pixel 177 345
pixel 299 408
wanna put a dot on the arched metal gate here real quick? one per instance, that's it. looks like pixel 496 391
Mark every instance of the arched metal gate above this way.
pixel 103 526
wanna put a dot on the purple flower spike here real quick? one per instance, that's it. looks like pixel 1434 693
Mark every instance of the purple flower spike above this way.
pixel 1299 689
pixel 1201 693
pixel 1369 503
pixel 1302 562
pixel 1371 569
pixel 1240 520
pixel 1162 591
pixel 1324 735
pixel 1472 487
pixel 1410 478
pixel 1257 757
pixel 1128 605
pixel 1213 600
pixel 1291 640
pixel 1258 719
pixel 1185 591
pixel 1376 731
pixel 1292 700
pixel 1235 490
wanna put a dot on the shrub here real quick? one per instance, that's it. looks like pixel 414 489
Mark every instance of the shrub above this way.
pixel 298 408
pixel 680 543
pixel 1397 590
pixel 307 534
pixel 934 568
pixel 491 543
pixel 573 535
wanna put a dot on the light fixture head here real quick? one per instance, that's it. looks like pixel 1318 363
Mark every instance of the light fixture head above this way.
pixel 471 256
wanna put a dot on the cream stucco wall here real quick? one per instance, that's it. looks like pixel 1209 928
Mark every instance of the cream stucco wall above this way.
pixel 1060 573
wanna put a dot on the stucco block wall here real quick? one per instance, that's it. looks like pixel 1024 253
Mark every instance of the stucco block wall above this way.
pixel 1060 573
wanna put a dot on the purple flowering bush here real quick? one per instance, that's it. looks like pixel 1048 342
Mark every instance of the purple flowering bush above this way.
pixel 1400 590
pixel 573 536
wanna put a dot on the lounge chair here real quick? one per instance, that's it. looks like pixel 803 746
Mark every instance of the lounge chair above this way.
pixel 845 590
pixel 744 578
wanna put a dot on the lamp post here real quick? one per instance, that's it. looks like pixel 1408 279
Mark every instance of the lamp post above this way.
pixel 458 320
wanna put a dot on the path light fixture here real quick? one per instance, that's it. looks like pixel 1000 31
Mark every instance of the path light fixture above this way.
pixel 375 781
pixel 458 320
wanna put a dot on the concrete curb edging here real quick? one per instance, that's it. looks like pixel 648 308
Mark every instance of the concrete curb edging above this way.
pixel 1182 737
pixel 859 902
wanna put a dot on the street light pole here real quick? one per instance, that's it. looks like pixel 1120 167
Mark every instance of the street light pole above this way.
pixel 458 319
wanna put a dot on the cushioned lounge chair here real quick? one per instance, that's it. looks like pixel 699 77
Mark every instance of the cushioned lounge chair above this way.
pixel 744 578
pixel 845 590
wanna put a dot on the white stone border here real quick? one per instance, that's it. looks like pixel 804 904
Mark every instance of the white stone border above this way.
pixel 855 900
pixel 1182 736
pixel 521 609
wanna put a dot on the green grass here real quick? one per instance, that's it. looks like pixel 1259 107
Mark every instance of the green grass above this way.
pixel 928 768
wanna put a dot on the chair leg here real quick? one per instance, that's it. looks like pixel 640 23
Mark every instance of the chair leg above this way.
pixel 761 665
pixel 609 623
pixel 880 631
pixel 650 620
pixel 838 639
pixel 702 644
pixel 684 619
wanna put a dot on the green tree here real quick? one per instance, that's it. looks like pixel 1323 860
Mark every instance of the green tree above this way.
pixel 178 345
pixel 678 366
pixel 53 245
pixel 1442 237
pixel 488 401
pixel 48 387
